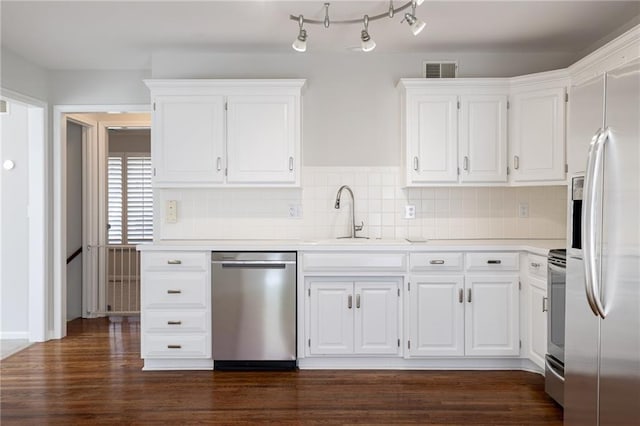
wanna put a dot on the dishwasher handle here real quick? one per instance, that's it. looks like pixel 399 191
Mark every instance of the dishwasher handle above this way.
pixel 255 264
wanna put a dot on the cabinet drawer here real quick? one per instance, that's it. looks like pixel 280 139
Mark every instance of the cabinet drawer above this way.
pixel 355 262
pixel 492 261
pixel 537 266
pixel 175 290
pixel 176 346
pixel 435 261
pixel 176 321
pixel 175 260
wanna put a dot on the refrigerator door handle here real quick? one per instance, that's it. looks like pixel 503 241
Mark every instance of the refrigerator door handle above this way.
pixel 592 180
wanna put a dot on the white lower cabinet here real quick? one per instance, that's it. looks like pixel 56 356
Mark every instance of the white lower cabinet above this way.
pixel 537 321
pixel 492 315
pixel 436 323
pixel 352 316
pixel 456 315
pixel 175 310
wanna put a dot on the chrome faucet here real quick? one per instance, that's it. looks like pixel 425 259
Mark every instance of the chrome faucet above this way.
pixel 354 228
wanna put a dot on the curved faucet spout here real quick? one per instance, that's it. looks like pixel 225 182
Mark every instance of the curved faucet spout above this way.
pixel 354 228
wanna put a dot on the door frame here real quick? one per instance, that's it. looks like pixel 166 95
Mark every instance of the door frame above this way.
pixel 39 199
pixel 58 299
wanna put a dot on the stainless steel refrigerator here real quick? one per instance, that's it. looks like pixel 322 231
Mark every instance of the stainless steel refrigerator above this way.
pixel 602 342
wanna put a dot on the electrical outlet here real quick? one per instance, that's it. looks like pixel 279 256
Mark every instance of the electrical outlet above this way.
pixel 409 211
pixel 172 211
pixel 523 210
pixel 295 210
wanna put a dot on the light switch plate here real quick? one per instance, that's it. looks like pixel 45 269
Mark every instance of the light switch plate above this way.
pixel 172 211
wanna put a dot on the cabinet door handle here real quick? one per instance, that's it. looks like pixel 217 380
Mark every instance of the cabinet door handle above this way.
pixel 290 164
pixel 465 163
pixel 174 291
pixel 358 301
pixel 545 307
pixel 535 265
pixel 516 162
pixel 174 322
pixel 350 301
pixel 437 262
pixel 219 164
pixel 469 295
pixel 461 295
pixel 174 346
pixel 174 262
pixel 494 262
pixel 415 163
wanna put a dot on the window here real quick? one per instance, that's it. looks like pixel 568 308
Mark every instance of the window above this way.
pixel 130 198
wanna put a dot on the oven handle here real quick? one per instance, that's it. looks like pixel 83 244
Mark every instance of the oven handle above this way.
pixel 552 369
pixel 592 180
pixel 255 264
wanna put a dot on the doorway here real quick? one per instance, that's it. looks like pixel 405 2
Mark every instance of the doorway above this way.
pixel 83 283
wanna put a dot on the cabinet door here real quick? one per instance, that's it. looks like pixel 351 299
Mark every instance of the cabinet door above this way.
pixel 188 139
pixel 483 138
pixel 537 142
pixel 432 138
pixel 261 138
pixel 376 317
pixel 537 321
pixel 491 317
pixel 436 316
pixel 331 308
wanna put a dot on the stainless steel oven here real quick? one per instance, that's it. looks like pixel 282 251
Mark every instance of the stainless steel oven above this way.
pixel 556 292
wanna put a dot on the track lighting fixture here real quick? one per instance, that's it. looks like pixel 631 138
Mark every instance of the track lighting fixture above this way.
pixel 300 43
pixel 415 24
pixel 367 43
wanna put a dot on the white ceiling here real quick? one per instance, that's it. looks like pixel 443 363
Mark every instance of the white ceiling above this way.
pixel 123 34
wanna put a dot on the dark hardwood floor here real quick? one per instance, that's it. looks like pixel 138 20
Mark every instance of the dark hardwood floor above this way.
pixel 94 376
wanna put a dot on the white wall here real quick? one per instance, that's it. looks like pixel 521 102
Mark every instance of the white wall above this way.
pixel 98 87
pixel 22 76
pixel 351 105
pixel 14 224
pixel 74 219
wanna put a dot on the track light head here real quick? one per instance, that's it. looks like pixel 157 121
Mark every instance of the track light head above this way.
pixel 300 43
pixel 415 24
pixel 367 42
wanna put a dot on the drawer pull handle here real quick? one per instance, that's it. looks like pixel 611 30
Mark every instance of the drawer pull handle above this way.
pixel 494 262
pixel 174 291
pixel 437 262
pixel 174 346
pixel 535 265
pixel 174 262
pixel 174 322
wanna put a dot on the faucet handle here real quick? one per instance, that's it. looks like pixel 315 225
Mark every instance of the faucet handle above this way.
pixel 359 227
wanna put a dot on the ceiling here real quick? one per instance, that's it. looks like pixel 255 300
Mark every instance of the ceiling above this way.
pixel 123 35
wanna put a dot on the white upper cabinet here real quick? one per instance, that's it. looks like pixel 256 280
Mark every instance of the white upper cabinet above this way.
pixel 261 137
pixel 188 134
pixel 432 138
pixel 211 133
pixel 537 140
pixel 454 132
pixel 483 138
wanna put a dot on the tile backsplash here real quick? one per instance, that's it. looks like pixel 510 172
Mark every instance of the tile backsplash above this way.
pixel 441 213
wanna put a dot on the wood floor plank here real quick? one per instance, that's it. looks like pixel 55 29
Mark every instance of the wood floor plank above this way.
pixel 94 376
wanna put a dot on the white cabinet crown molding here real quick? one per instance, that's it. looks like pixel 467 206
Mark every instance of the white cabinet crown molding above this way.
pixel 222 86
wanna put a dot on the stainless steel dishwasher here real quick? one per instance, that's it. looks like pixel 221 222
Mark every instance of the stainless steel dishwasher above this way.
pixel 254 310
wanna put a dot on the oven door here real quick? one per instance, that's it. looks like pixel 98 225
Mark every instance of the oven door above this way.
pixel 556 291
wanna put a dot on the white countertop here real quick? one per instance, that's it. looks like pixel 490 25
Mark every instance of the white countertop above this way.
pixel 540 247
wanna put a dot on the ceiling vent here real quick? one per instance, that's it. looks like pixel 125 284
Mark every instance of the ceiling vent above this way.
pixel 440 69
pixel 4 107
